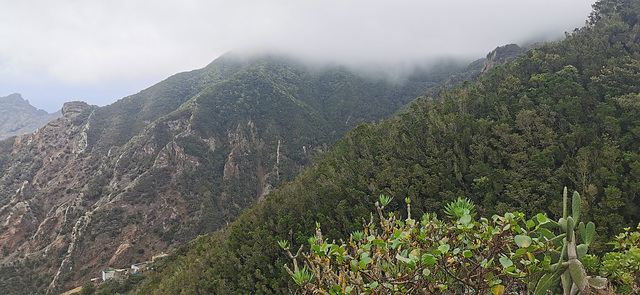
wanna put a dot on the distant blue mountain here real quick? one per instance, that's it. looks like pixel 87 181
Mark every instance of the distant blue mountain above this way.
pixel 18 117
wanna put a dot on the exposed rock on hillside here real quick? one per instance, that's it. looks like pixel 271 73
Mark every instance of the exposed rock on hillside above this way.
pixel 497 57
pixel 105 187
pixel 502 55
pixel 565 114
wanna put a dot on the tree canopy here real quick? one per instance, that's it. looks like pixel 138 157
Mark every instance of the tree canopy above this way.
pixel 565 114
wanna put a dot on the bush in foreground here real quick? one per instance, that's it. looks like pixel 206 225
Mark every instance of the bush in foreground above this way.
pixel 456 255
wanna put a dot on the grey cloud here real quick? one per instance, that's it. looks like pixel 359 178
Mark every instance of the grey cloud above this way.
pixel 85 44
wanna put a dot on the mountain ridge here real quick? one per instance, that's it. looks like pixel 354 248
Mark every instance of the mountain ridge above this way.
pixel 563 114
pixel 103 187
pixel 18 116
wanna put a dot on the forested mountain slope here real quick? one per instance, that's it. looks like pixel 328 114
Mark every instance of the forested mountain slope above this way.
pixel 565 114
pixel 105 187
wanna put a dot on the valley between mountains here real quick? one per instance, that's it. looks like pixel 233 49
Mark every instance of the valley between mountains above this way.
pixel 102 187
pixel 219 165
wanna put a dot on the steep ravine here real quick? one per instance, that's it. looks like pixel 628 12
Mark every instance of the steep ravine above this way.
pixel 104 187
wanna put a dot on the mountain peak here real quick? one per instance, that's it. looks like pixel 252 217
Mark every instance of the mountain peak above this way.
pixel 501 55
pixel 73 107
pixel 12 96
pixel 18 116
pixel 14 99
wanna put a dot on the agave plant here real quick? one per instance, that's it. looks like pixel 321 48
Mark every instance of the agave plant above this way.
pixel 301 276
pixel 358 235
pixel 460 208
pixel 283 244
pixel 384 200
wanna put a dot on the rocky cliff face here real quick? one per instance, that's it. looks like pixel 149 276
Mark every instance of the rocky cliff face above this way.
pixel 497 57
pixel 18 117
pixel 70 213
pixel 104 187
pixel 502 55
pixel 41 170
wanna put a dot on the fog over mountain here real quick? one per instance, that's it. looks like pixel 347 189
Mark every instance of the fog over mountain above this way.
pixel 100 51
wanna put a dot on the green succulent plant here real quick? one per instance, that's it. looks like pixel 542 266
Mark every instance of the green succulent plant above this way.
pixel 568 270
pixel 459 208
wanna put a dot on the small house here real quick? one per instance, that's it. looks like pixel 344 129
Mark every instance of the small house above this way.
pixel 108 274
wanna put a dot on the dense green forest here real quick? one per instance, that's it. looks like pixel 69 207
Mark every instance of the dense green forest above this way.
pixel 181 158
pixel 565 114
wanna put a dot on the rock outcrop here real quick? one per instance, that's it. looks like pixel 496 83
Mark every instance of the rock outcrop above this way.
pixel 502 55
pixel 103 187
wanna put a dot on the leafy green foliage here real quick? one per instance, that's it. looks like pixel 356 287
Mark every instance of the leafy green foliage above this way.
pixel 434 256
pixel 253 126
pixel 459 208
pixel 88 288
pixel 16 278
pixel 623 265
pixel 505 254
pixel 115 287
pixel 563 114
pixel 302 276
pixel 385 200
pixel 116 124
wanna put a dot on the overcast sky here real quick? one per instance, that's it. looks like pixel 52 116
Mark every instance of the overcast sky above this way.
pixel 102 50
